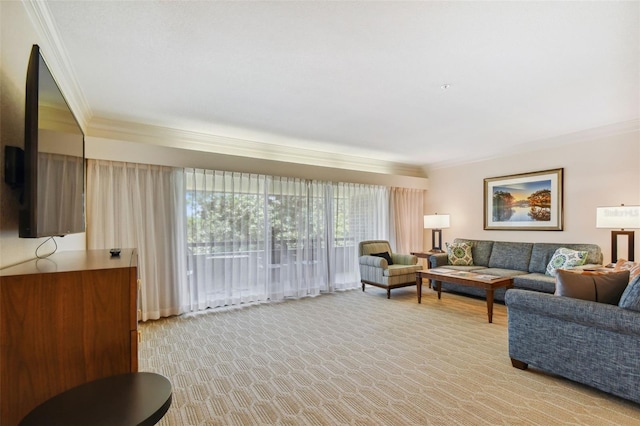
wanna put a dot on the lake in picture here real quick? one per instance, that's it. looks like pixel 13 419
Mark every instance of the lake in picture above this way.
pixel 522 202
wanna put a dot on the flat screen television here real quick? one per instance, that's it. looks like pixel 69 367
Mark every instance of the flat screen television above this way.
pixel 54 166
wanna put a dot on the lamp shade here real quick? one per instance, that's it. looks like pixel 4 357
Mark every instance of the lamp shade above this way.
pixel 618 217
pixel 436 221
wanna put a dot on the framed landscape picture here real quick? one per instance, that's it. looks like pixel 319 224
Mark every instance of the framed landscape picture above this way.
pixel 524 202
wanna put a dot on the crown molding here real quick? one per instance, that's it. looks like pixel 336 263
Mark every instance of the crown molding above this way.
pixel 601 132
pixel 57 60
pixel 197 141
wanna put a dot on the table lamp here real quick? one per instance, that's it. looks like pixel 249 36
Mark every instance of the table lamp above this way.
pixel 436 222
pixel 619 217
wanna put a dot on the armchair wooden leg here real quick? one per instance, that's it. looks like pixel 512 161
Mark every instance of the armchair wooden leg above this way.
pixel 362 286
pixel 388 293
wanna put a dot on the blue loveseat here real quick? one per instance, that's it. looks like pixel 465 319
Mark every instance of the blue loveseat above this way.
pixel 593 343
pixel 525 262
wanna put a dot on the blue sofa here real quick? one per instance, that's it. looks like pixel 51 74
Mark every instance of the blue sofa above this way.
pixel 525 262
pixel 588 342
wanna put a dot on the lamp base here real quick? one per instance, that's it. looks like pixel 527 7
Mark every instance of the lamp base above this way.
pixel 437 248
pixel 614 244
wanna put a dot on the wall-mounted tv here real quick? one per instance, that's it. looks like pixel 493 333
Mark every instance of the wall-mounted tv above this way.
pixel 54 169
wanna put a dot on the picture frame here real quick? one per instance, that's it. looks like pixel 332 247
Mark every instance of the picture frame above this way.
pixel 524 202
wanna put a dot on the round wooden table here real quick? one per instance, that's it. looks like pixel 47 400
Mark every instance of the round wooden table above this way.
pixel 125 399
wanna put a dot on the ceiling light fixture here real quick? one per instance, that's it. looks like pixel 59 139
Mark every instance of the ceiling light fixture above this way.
pixel 445 86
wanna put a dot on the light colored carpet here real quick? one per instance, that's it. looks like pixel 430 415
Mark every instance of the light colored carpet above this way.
pixel 355 358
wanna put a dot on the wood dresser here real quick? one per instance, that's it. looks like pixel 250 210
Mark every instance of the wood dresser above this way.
pixel 65 320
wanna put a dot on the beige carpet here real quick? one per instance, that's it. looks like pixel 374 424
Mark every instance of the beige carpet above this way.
pixel 355 358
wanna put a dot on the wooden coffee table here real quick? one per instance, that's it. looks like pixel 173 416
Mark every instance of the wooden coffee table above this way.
pixel 471 279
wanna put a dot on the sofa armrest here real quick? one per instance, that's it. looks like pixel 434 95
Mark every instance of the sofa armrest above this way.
pixel 587 313
pixel 439 259
pixel 375 261
pixel 404 259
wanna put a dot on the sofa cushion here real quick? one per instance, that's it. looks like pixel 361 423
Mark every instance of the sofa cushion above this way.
pixel 603 287
pixel 565 258
pixel 384 255
pixel 480 250
pixel 541 256
pixel 543 252
pixel 369 247
pixel 459 254
pixel 404 259
pixel 499 272
pixel 535 281
pixel 506 255
pixel 396 270
pixel 631 296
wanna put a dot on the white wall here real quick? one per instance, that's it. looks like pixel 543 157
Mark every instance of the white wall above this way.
pixel 598 172
pixel 16 37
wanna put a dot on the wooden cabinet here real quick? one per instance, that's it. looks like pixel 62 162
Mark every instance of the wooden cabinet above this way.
pixel 65 320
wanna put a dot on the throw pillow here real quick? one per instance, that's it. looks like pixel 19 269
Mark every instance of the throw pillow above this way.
pixel 565 258
pixel 459 254
pixel 631 297
pixel 627 265
pixel 386 255
pixel 603 287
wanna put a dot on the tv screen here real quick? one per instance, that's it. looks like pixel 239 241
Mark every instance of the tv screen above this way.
pixel 53 199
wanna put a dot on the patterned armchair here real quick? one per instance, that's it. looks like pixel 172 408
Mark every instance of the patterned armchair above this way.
pixel 380 267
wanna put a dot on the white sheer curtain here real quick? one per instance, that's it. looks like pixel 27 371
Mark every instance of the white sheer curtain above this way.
pixel 141 206
pixel 254 237
pixel 407 227
pixel 60 181
pixel 359 212
pixel 298 231
pixel 227 249
pixel 213 238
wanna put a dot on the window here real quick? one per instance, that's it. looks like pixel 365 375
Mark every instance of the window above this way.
pixel 255 237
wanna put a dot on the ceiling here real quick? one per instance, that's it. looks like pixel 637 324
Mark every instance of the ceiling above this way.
pixel 360 79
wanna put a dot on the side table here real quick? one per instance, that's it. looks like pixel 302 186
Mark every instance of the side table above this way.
pixel 425 255
pixel 124 399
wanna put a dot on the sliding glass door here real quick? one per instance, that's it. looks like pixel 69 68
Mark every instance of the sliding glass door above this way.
pixel 255 238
